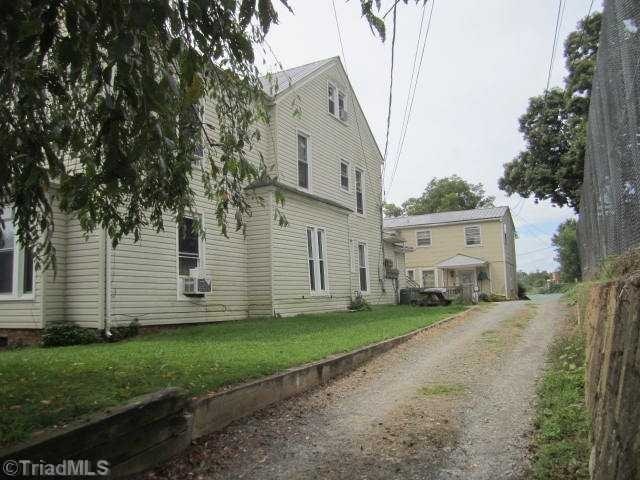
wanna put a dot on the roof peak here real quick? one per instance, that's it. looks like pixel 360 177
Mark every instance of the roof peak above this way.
pixel 277 82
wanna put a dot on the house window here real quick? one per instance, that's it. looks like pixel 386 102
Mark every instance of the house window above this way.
pixel 359 192
pixel 472 235
pixel 331 91
pixel 317 255
pixel 363 267
pixel 423 238
pixel 189 247
pixel 344 175
pixel 342 112
pixel 428 278
pixel 411 274
pixel 303 161
pixel 16 264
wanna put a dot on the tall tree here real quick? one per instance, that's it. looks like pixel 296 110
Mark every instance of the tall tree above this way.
pixel 446 194
pixel 117 87
pixel 391 210
pixel 555 128
pixel 567 253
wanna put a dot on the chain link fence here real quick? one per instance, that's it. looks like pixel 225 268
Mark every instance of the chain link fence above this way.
pixel 610 206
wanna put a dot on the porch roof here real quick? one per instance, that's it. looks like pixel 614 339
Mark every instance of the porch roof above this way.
pixel 460 261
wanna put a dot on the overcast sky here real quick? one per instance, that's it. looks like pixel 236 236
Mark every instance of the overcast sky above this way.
pixel 484 59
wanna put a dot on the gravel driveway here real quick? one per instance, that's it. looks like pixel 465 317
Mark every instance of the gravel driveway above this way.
pixel 453 402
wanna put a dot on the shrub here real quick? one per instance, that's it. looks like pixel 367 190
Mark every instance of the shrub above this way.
pixel 522 292
pixel 124 332
pixel 59 334
pixel 483 297
pixel 358 303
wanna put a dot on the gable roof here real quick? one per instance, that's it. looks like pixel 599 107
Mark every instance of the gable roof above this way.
pixel 278 82
pixel 461 260
pixel 478 214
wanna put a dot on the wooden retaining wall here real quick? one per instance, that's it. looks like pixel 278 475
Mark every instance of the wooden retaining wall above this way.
pixel 613 378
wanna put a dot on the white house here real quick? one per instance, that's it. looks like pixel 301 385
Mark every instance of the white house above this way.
pixel 327 163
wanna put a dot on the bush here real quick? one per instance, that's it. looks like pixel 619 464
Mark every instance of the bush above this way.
pixel 124 332
pixel 59 334
pixel 522 292
pixel 483 297
pixel 358 303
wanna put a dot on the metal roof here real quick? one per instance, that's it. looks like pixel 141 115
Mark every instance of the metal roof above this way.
pixel 446 217
pixel 277 82
pixel 460 261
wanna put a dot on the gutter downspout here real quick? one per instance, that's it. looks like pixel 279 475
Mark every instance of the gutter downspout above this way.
pixel 107 286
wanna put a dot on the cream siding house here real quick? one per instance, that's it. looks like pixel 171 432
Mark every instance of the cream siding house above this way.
pixel 322 156
pixel 451 249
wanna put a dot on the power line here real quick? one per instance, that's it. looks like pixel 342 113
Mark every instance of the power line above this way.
pixel 393 49
pixel 555 43
pixel 413 71
pixel 417 77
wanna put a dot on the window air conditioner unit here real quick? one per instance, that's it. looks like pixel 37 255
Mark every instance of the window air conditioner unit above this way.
pixel 344 115
pixel 197 283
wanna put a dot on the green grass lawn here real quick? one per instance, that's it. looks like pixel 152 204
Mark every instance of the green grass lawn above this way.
pixel 42 387
pixel 561 440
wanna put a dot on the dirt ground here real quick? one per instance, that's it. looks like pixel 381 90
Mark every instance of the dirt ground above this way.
pixel 453 402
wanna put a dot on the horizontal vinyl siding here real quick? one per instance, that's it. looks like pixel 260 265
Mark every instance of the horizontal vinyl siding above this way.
pixel 330 141
pixel 82 288
pixel 291 290
pixel 259 258
pixel 55 282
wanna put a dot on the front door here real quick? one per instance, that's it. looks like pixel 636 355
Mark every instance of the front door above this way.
pixel 467 277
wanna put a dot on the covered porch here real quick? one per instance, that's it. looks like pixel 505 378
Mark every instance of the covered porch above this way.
pixel 464 272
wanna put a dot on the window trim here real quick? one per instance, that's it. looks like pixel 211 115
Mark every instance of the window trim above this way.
pixel 366 266
pixel 466 244
pixel 348 164
pixel 316 260
pixel 418 240
pixel 302 133
pixel 17 279
pixel 333 98
pixel 362 188
pixel 202 253
pixel 337 91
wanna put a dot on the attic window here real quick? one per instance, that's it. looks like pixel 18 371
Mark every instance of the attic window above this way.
pixel 332 99
pixel 337 102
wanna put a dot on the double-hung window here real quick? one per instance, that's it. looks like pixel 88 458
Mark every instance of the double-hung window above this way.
pixel 359 192
pixel 337 102
pixel 331 92
pixel 363 267
pixel 16 265
pixel 190 251
pixel 317 255
pixel 344 175
pixel 411 275
pixel 303 161
pixel 423 238
pixel 342 107
pixel 472 235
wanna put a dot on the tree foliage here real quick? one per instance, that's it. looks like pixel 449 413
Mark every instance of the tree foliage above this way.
pixel 565 240
pixel 101 107
pixel 447 194
pixel 391 210
pixel 555 128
